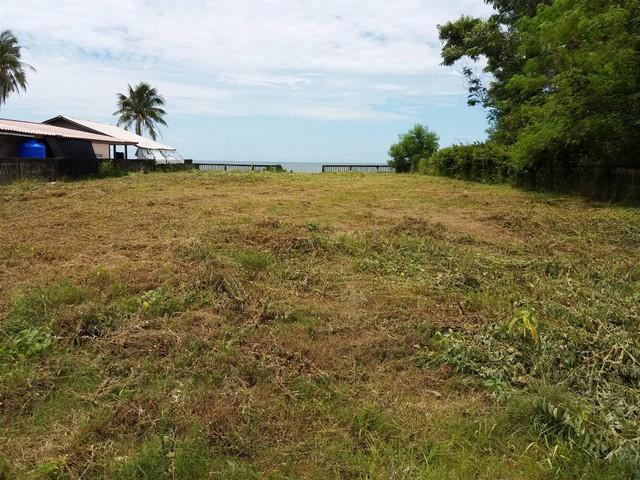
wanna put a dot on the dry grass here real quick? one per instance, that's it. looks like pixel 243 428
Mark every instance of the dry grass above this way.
pixel 268 325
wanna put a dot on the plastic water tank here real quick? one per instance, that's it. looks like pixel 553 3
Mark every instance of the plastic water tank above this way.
pixel 32 149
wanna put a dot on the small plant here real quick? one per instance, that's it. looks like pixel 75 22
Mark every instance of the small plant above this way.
pixel 525 322
pixel 30 342
pixel 254 262
pixel 159 302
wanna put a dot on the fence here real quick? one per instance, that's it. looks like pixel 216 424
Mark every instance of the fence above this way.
pixel 613 184
pixel 237 167
pixel 13 169
pixel 151 166
pixel 358 168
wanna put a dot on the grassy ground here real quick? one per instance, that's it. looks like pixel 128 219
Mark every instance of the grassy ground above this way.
pixel 195 325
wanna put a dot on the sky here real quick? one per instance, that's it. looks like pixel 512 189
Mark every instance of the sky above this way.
pixel 251 80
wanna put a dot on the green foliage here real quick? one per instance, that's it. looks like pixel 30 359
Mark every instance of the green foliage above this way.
pixel 169 458
pixel 142 108
pixel 166 301
pixel 13 77
pixel 26 331
pixel 483 162
pixel 585 378
pixel 156 459
pixel 34 307
pixel 108 169
pixel 6 472
pixel 254 262
pixel 50 471
pixel 565 89
pixel 417 144
pixel 28 343
pixel 581 83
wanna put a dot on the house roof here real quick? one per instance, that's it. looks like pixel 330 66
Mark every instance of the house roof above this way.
pixel 113 131
pixel 18 127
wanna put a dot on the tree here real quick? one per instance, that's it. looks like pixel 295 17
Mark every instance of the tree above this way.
pixel 497 40
pixel 580 85
pixel 565 89
pixel 417 144
pixel 13 77
pixel 142 107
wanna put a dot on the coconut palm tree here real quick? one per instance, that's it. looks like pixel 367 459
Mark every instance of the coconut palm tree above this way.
pixel 13 77
pixel 142 107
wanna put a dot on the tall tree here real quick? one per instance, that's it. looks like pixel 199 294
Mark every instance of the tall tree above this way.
pixel 565 89
pixel 497 40
pixel 142 107
pixel 417 144
pixel 576 102
pixel 13 76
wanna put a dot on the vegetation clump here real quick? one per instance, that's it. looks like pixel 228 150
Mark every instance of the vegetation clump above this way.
pixel 560 87
pixel 480 162
pixel 413 147
pixel 585 380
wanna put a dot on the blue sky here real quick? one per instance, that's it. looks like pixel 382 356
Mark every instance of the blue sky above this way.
pixel 248 80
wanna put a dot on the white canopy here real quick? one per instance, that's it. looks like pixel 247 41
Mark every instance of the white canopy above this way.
pixel 159 155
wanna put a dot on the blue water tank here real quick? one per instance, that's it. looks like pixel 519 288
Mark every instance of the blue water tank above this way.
pixel 32 149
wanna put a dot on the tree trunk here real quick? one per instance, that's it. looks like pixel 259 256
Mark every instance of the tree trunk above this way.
pixel 139 126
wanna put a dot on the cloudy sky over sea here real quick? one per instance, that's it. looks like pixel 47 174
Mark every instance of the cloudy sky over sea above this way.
pixel 282 80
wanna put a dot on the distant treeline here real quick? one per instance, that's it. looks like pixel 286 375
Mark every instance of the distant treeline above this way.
pixel 563 97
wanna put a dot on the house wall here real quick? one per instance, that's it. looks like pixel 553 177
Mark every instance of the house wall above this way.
pixel 101 150
pixel 9 146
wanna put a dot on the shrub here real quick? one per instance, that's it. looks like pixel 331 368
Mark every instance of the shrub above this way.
pixel 107 169
pixel 483 162
pixel 413 146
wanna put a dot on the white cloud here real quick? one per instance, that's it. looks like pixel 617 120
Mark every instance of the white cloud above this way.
pixel 321 59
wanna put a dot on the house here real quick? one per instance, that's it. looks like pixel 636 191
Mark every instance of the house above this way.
pixel 146 148
pixel 57 139
pixel 72 149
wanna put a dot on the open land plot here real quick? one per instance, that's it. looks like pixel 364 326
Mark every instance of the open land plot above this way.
pixel 211 325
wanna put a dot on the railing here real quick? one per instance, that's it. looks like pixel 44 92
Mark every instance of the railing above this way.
pixel 237 167
pixel 358 168
pixel 137 165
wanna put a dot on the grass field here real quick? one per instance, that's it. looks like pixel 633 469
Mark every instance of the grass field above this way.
pixel 240 326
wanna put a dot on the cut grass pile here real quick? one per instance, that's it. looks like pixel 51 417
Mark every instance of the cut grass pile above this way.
pixel 283 326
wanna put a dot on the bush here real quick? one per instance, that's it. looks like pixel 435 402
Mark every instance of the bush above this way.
pixel 413 146
pixel 482 162
pixel 107 169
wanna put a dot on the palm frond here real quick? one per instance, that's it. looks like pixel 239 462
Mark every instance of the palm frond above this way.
pixel 13 77
pixel 141 106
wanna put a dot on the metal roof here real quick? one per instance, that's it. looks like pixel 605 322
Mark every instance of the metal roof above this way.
pixel 113 131
pixel 42 130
